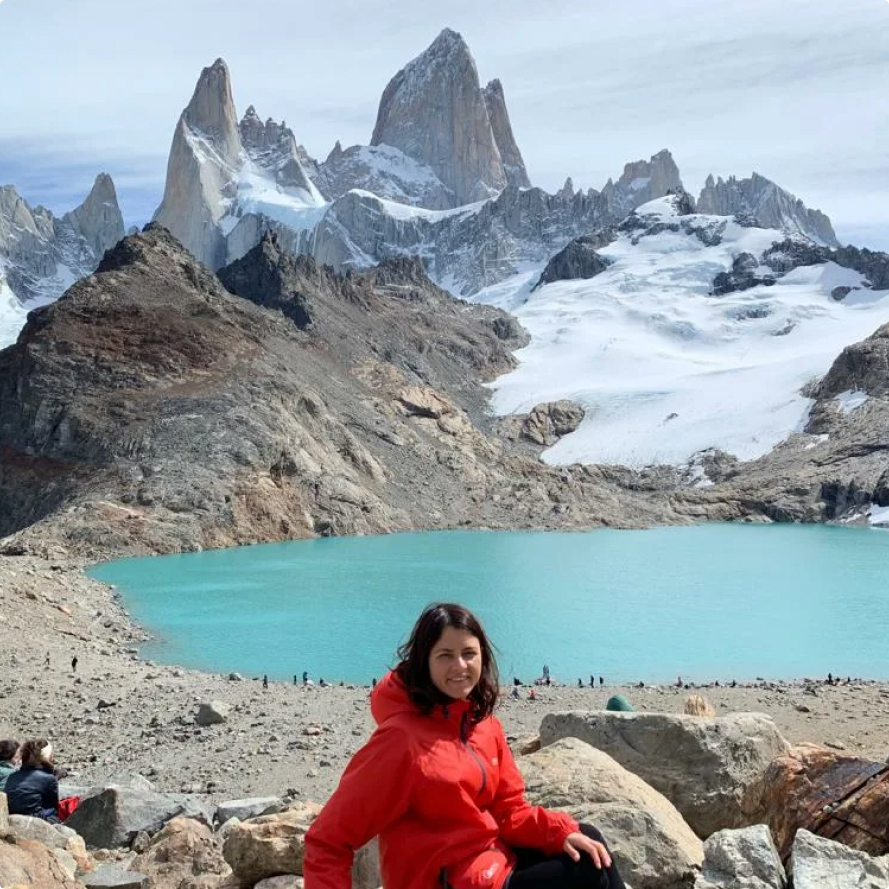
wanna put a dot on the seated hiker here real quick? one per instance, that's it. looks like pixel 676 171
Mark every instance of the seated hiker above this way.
pixel 9 753
pixel 33 790
pixel 437 783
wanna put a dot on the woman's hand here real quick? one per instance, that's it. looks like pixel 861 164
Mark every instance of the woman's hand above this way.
pixel 576 843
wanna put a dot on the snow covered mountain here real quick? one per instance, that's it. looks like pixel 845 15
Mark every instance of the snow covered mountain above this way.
pixel 692 332
pixel 406 193
pixel 41 255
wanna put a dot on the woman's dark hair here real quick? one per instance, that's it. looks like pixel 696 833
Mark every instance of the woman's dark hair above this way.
pixel 32 753
pixel 413 667
pixel 8 750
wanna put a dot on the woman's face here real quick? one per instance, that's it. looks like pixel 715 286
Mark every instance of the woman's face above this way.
pixel 455 663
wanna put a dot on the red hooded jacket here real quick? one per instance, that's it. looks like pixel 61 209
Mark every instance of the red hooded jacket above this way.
pixel 444 796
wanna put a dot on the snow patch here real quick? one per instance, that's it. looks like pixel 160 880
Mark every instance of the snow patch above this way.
pixel 643 342
pixel 878 515
pixel 12 314
pixel 850 400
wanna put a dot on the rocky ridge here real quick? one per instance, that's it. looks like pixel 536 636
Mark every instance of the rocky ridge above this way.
pixel 150 410
pixel 767 205
pixel 124 425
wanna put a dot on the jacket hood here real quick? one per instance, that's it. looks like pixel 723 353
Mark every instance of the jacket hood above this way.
pixel 390 698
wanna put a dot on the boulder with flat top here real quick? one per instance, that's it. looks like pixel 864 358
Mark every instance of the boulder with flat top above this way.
pixel 703 765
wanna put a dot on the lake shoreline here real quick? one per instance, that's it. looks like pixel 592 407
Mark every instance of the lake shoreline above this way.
pixel 119 714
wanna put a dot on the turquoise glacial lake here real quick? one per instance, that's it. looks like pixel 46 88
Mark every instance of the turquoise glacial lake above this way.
pixel 707 602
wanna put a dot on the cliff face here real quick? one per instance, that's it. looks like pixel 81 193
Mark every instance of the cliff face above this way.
pixel 201 171
pixel 434 111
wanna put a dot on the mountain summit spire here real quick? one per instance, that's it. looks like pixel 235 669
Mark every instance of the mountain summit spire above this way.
pixel 435 111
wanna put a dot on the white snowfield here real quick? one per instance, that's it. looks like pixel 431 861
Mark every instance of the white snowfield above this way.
pixel 12 314
pixel 663 369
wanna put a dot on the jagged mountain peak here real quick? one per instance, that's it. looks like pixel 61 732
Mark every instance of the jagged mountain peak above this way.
pixel 211 110
pixel 767 204
pixel 513 163
pixel 434 111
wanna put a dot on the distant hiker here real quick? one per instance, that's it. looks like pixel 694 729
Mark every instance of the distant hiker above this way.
pixel 619 704
pixel 294 678
pixel 830 678
pixel 265 681
pixel 601 681
pixel 373 682
pixel 74 664
pixel 592 681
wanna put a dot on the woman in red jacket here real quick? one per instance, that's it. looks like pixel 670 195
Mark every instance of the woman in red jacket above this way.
pixel 437 783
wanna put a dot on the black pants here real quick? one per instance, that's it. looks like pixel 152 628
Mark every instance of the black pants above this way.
pixel 534 870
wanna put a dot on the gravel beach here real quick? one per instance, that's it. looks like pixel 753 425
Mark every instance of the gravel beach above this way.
pixel 117 714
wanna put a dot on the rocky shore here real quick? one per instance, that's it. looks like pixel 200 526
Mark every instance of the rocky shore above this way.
pixel 118 714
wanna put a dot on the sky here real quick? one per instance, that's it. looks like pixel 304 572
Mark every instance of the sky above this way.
pixel 791 89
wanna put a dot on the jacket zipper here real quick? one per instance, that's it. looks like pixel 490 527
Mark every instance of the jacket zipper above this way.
pixel 464 737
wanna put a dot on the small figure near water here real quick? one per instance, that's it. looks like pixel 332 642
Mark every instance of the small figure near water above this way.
pixel 579 682
pixel 265 681
pixel 601 681
pixel 515 692
pixel 322 683
pixel 436 731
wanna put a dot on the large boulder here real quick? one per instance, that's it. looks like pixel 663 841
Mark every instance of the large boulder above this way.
pixel 653 847
pixel 269 845
pixel 840 797
pixel 182 852
pixel 704 766
pixel 29 863
pixel 819 863
pixel 549 421
pixel 55 836
pixel 114 816
pixel 741 859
